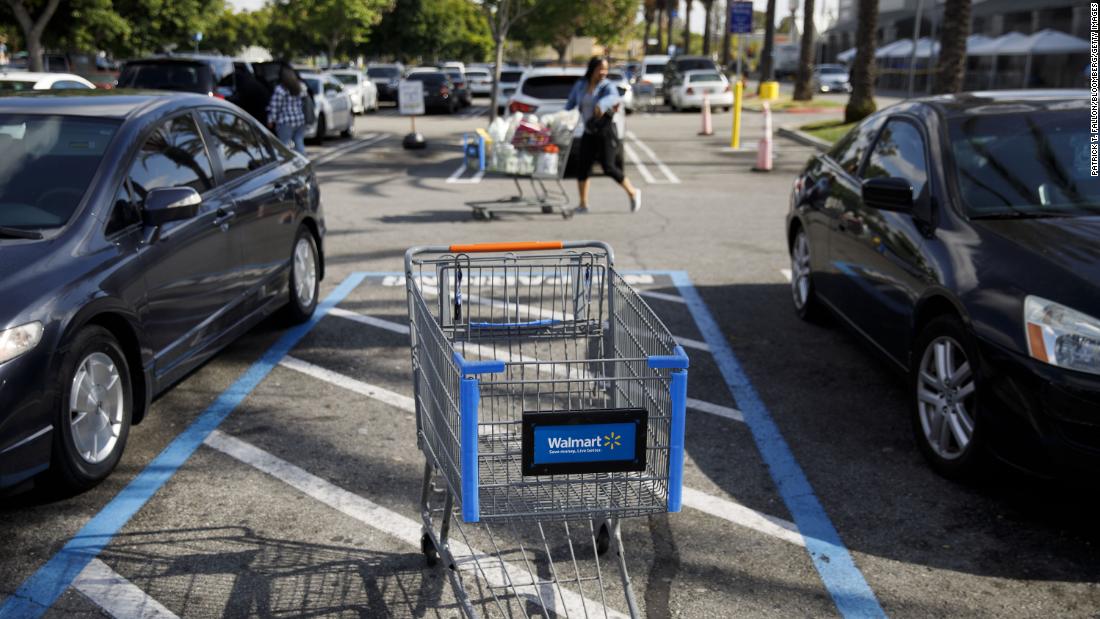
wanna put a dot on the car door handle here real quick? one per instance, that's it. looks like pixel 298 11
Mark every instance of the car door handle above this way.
pixel 223 216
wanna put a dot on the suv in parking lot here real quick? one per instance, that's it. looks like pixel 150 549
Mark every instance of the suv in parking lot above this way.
pixel 197 73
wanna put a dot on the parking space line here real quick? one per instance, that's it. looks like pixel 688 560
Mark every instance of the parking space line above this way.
pixel 716 409
pixel 642 169
pixel 743 516
pixel 41 590
pixel 392 398
pixel 786 273
pixel 398 526
pixel 687 342
pixel 456 176
pixel 368 140
pixel 672 178
pixel 653 294
pixel 117 596
pixel 836 567
pixel 388 325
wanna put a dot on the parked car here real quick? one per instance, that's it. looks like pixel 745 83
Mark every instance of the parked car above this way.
pixel 24 80
pixel 178 224
pixel 362 91
pixel 691 86
pixel 97 68
pixel 961 236
pixel 546 90
pixel 197 73
pixel 831 78
pixel 481 81
pixel 461 86
pixel 678 66
pixel 386 77
pixel 652 79
pixel 626 91
pixel 333 106
pixel 439 91
pixel 509 79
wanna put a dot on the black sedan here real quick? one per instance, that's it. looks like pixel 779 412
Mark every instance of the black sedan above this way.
pixel 961 236
pixel 139 233
pixel 439 91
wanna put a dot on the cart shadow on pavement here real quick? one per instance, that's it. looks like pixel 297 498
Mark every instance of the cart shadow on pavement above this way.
pixel 844 414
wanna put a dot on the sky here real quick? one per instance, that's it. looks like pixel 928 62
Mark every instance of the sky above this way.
pixel 781 9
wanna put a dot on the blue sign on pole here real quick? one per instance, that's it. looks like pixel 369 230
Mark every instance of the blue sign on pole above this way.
pixel 740 20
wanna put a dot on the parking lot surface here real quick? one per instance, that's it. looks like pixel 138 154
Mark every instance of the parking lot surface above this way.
pixel 283 479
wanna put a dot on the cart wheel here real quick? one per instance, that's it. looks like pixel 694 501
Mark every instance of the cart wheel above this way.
pixel 482 214
pixel 546 208
pixel 431 555
pixel 603 540
pixel 567 213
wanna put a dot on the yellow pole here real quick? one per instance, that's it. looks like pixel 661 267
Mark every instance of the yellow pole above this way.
pixel 735 138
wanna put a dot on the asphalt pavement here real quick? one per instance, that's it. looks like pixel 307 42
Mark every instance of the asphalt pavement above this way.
pixel 297 492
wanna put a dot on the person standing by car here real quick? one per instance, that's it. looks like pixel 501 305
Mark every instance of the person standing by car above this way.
pixel 251 94
pixel 284 111
pixel 598 100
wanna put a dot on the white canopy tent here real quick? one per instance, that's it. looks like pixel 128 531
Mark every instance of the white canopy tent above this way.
pixel 847 56
pixel 1043 42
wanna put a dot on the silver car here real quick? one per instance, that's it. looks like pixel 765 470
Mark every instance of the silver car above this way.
pixel 363 92
pixel 831 78
pixel 333 106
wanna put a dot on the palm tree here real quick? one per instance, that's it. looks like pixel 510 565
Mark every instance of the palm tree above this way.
pixel 649 8
pixel 803 88
pixel 661 26
pixel 862 102
pixel 952 64
pixel 708 27
pixel 767 67
pixel 687 26
pixel 726 36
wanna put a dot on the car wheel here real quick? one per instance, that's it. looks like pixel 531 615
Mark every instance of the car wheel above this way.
pixel 806 304
pixel 94 409
pixel 305 277
pixel 322 129
pixel 945 399
pixel 349 131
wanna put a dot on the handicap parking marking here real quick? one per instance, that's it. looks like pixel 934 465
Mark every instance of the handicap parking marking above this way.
pixel 501 574
pixel 117 596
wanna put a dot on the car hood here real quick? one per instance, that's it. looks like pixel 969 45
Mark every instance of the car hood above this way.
pixel 29 273
pixel 1068 243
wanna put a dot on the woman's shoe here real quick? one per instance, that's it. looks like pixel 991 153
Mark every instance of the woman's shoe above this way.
pixel 636 201
pixel 580 210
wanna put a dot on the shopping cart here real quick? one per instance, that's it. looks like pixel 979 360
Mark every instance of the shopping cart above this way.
pixel 542 165
pixel 550 404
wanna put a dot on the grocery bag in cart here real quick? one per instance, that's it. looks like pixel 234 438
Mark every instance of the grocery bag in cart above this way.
pixel 550 403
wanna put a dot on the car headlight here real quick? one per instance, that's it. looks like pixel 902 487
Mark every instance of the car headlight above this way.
pixel 1062 336
pixel 18 340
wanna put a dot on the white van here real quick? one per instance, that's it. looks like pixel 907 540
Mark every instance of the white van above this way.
pixel 651 81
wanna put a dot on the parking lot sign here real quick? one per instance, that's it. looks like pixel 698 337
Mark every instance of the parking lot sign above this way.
pixel 410 97
pixel 740 20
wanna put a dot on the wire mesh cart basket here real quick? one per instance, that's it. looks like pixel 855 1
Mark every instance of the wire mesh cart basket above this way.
pixel 550 405
pixel 538 156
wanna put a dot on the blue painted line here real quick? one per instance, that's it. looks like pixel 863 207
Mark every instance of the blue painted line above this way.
pixel 850 592
pixel 39 592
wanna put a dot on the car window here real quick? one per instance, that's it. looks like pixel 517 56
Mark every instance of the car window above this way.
pixel 68 84
pixel 427 78
pixel 510 77
pixel 236 143
pixel 899 152
pixel 382 72
pixel 346 78
pixel 190 77
pixel 313 84
pixel 849 151
pixel 549 86
pixel 691 64
pixel 125 212
pixel 704 77
pixel 332 87
pixel 650 69
pixel 16 85
pixel 173 156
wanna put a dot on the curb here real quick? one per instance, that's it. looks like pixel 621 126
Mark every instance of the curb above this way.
pixel 804 138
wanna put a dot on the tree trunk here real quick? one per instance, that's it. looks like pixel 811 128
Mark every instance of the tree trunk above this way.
pixel 952 65
pixel 708 27
pixel 561 49
pixel 767 67
pixel 726 36
pixel 660 29
pixel 803 88
pixel 33 29
pixel 862 102
pixel 499 31
pixel 645 35
pixel 687 27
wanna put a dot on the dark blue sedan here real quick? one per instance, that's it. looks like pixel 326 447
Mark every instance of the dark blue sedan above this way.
pixel 139 234
pixel 961 236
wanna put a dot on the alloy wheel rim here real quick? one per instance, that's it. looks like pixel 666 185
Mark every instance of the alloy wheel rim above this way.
pixel 305 272
pixel 945 398
pixel 800 270
pixel 95 407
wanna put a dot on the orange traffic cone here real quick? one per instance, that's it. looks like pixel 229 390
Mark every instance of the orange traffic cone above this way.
pixel 707 129
pixel 764 147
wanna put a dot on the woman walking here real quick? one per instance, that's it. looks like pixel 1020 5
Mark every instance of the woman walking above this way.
pixel 284 111
pixel 598 99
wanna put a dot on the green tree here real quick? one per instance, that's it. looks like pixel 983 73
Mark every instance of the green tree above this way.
pixel 88 25
pixel 431 29
pixel 230 32
pixel 32 17
pixel 501 16
pixel 329 26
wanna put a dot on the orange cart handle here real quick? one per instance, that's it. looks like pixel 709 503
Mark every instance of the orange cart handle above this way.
pixel 475 248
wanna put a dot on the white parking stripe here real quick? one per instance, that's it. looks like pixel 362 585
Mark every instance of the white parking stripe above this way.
pixel 638 164
pixel 117 596
pixel 392 398
pixel 653 294
pixel 672 178
pixel 499 573
pixel 690 343
pixel 716 409
pixel 329 155
pixel 743 516
pixel 388 325
pixel 786 273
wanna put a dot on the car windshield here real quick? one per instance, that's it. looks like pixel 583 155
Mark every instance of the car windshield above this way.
pixel 382 72
pixel 510 77
pixel 456 76
pixel 32 193
pixel 16 85
pixel 1025 164
pixel 313 84
pixel 832 70
pixel 427 78
pixel 188 77
pixel 705 77
pixel 549 86
pixel 345 78
pixel 650 69
pixel 691 64
pixel 479 73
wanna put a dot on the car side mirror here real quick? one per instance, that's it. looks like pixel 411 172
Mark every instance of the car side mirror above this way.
pixel 166 204
pixel 888 194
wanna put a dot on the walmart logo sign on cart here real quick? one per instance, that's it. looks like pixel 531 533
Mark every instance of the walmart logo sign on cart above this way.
pixel 584 443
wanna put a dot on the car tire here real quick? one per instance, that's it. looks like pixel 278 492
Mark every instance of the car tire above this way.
pixel 803 293
pixel 94 409
pixel 945 413
pixel 322 129
pixel 305 277
pixel 349 132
